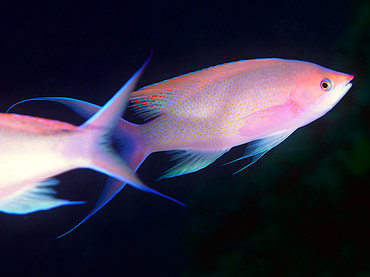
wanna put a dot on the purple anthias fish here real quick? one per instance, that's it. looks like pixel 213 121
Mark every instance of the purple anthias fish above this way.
pixel 202 115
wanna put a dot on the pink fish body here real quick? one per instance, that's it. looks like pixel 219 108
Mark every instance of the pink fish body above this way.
pixel 202 115
pixel 231 104
pixel 210 111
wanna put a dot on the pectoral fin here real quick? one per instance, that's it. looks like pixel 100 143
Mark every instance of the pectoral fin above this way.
pixel 256 149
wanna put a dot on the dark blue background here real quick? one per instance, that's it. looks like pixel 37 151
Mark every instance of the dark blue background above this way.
pixel 87 51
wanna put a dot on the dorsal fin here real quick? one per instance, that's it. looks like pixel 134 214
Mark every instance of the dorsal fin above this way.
pixel 153 100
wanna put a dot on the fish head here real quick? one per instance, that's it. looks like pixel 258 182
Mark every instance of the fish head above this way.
pixel 319 89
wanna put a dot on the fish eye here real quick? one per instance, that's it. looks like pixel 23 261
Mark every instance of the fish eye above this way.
pixel 326 84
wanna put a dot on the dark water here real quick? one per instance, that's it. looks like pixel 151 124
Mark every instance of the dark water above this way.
pixel 302 210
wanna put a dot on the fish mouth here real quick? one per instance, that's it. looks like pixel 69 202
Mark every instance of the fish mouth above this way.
pixel 342 90
pixel 348 81
pixel 348 85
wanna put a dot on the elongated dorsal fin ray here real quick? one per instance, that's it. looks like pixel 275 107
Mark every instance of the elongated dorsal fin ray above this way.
pixel 82 108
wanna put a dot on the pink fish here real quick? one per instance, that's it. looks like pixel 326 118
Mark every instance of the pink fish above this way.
pixel 202 115
pixel 35 149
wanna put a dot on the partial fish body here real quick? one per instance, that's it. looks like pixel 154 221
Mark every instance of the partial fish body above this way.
pixel 35 149
pixel 202 115
pixel 207 112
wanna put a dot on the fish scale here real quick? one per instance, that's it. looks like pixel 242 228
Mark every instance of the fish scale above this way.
pixel 212 111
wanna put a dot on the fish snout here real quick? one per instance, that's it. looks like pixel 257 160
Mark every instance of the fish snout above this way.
pixel 350 78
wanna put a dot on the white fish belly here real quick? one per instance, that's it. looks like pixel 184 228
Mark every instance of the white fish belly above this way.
pixel 28 158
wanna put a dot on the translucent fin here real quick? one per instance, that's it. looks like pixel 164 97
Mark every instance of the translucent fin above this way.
pixel 133 156
pixel 98 132
pixel 37 198
pixel 255 158
pixel 190 161
pixel 256 149
pixel 111 188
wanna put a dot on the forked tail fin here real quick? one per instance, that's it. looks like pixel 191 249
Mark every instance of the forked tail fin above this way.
pixel 98 130
pixel 133 156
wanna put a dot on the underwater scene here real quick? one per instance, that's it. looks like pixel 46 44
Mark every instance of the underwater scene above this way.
pixel 259 166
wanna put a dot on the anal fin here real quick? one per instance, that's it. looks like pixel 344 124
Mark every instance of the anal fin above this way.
pixel 36 198
pixel 190 161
